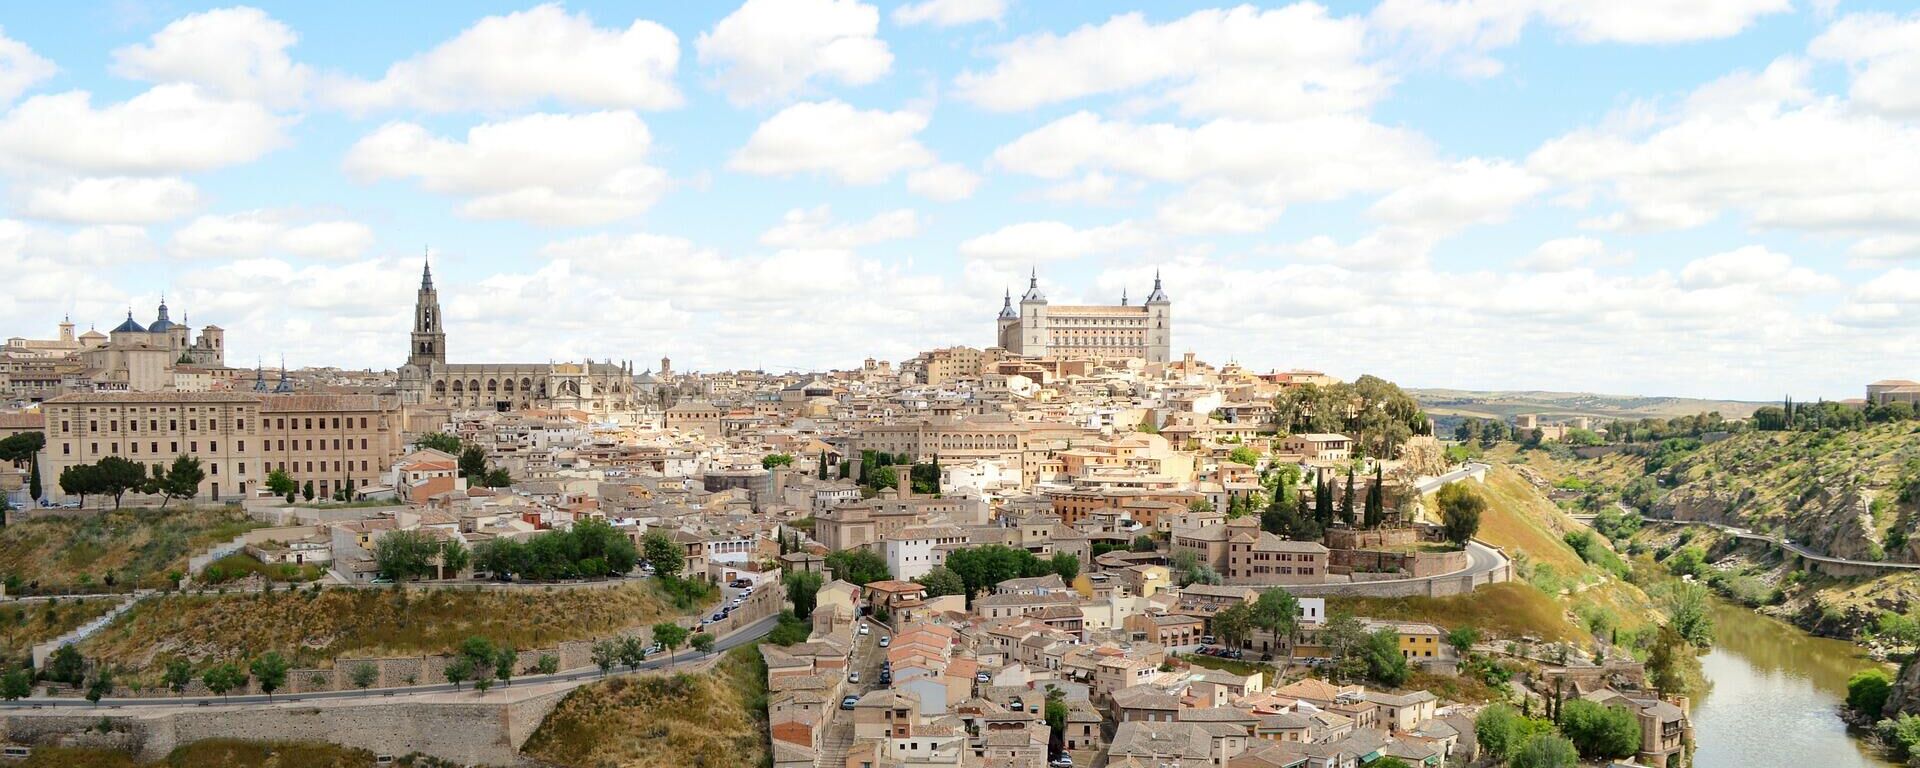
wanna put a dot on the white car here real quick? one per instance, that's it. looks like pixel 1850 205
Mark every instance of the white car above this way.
pixel 853 677
pixel 863 629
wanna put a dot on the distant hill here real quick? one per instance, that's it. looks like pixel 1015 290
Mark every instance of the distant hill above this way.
pixel 1451 405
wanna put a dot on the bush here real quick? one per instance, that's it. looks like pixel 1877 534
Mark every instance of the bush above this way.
pixel 1867 691
pixel 1599 731
pixel 1900 734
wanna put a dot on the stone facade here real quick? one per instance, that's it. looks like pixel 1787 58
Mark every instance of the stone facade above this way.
pixel 1038 329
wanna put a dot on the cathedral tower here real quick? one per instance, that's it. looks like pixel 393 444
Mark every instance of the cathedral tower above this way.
pixel 429 337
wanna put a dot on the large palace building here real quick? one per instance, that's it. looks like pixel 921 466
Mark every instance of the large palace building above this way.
pixel 1039 329
pixel 427 378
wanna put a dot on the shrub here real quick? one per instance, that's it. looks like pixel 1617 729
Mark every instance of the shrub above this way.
pixel 1867 691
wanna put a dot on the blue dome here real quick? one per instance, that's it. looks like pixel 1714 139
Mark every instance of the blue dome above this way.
pixel 129 326
pixel 161 324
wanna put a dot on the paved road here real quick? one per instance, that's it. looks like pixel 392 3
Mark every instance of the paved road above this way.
pixel 1431 484
pixel 1481 560
pixel 737 638
pixel 1743 533
pixel 837 738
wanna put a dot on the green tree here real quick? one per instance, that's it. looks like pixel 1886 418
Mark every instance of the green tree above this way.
pixel 1143 543
pixel 1376 513
pixel 1867 691
pixel 547 665
pixel 306 491
pixel 439 441
pixel 858 566
pixel 1244 455
pixel 116 476
pixel 405 555
pixel 459 670
pixel 1346 500
pixel 222 678
pixel 1056 715
pixel 1385 662
pixel 1462 639
pixel 1346 640
pixel 670 636
pixel 1200 506
pixel 803 590
pixel 660 551
pixel 1067 566
pixel 271 670
pixel 1545 750
pixel 1688 606
pixel 701 643
pixel 1499 730
pixel 364 675
pixel 66 666
pixel 281 484
pixel 771 460
pixel 941 581
pixel 1600 731
pixel 17 684
pixel 25 448
pixel 606 653
pixel 454 557
pixel 81 480
pixel 1278 612
pixel 181 481
pixel 1460 510
pixel 633 652
pixel 498 477
pixel 1232 625
pixel 178 675
pixel 473 463
pixel 100 685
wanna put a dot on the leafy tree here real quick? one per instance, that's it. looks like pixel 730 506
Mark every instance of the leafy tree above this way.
pixel 771 460
pixel 942 581
pixel 1462 639
pixel 81 480
pixel 478 650
pixel 473 463
pixel 364 675
pixel 221 678
pixel 181 481
pixel 702 643
pixel 803 590
pixel 1347 641
pixel 1232 624
pixel 633 652
pixel 1376 512
pixel 670 636
pixel 459 670
pixel 306 491
pixel 1385 662
pixel 1244 455
pixel 178 675
pixel 1066 565
pixel 1545 750
pixel 1663 662
pixel 859 566
pixel 547 665
pixel 100 685
pixel 1499 730
pixel 606 653
pixel 1200 506
pixel 1600 731
pixel 498 477
pixel 66 666
pixel 1687 607
pixel 1278 612
pixel 660 551
pixel 1056 714
pixel 454 557
pixel 439 441
pixel 271 670
pixel 1144 543
pixel 16 684
pixel 1867 691
pixel 1460 510
pixel 26 447
pixel 1346 500
pixel 281 484
pixel 405 555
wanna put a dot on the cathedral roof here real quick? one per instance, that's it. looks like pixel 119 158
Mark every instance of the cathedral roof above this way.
pixel 161 323
pixel 1006 307
pixel 129 326
pixel 1158 296
pixel 1033 289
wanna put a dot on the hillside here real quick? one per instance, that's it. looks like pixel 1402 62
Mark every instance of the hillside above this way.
pixel 713 719
pixel 1450 405
pixel 24 625
pixel 228 754
pixel 312 629
pixel 138 547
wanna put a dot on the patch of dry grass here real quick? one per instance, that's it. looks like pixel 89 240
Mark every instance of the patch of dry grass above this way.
pixel 1508 609
pixel 24 625
pixel 715 719
pixel 137 546
pixel 216 752
pixel 311 630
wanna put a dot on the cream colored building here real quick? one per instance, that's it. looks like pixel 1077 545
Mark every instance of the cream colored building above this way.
pixel 1039 329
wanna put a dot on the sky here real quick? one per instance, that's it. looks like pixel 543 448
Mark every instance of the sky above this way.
pixel 1711 198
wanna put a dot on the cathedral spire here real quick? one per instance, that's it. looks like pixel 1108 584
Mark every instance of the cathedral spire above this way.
pixel 1006 306
pixel 1123 296
pixel 1158 296
pixel 426 271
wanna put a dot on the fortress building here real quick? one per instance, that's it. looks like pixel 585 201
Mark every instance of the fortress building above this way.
pixel 427 377
pixel 1039 329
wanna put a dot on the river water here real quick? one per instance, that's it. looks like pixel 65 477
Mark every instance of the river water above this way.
pixel 1775 698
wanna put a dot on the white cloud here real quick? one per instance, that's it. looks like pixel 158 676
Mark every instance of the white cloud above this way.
pixel 253 234
pixel 814 228
pixel 945 182
pixel 1886 247
pixel 1657 21
pixel 1567 253
pixel 1884 52
pixel 1465 31
pixel 1759 145
pixel 1756 266
pixel 949 13
pixel 167 129
pixel 1473 191
pixel 20 68
pixel 1286 62
pixel 1093 188
pixel 1032 241
pixel 239 53
pixel 768 50
pixel 857 146
pixel 1389 248
pixel 1214 207
pixel 526 58
pixel 113 200
pixel 548 169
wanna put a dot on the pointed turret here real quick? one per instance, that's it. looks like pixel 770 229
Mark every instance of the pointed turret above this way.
pixel 1123 297
pixel 1033 294
pixel 1006 307
pixel 1158 296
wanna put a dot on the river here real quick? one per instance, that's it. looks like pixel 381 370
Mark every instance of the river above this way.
pixel 1775 698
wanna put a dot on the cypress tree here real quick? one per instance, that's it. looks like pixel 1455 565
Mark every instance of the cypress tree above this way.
pixel 33 476
pixel 1346 502
pixel 1376 501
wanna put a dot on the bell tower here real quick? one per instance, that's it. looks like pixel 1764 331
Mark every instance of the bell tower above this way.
pixel 429 337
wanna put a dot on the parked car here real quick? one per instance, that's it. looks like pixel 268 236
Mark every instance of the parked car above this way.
pixel 848 702
pixel 982 677
pixel 886 641
pixel 1206 639
pixel 863 628
pixel 1063 761
pixel 1018 706
pixel 886 677
pixel 854 676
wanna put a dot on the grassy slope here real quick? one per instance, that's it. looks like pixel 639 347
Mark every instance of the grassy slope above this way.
pixel 312 630
pixel 140 546
pixel 707 720
pixel 23 625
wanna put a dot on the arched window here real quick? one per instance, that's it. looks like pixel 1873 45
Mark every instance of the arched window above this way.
pixel 493 385
pixel 458 387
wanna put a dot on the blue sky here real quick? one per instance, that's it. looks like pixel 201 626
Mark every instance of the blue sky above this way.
pixel 1634 196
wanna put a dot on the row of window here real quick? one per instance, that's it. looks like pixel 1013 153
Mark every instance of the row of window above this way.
pixel 193 425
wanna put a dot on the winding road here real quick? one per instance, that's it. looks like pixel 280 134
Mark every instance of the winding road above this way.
pixel 734 639
pixel 1787 544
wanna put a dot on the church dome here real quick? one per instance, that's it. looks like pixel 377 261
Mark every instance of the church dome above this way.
pixel 129 326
